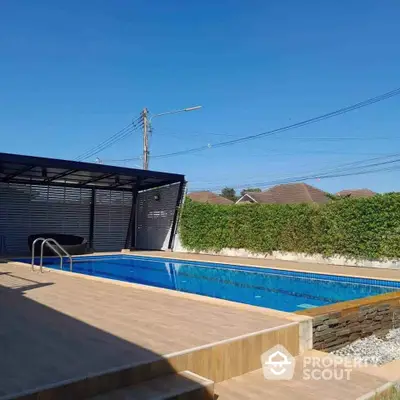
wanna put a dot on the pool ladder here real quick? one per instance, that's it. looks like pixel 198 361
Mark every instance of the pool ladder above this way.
pixel 53 245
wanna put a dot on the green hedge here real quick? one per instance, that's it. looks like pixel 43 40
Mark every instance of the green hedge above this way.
pixel 356 228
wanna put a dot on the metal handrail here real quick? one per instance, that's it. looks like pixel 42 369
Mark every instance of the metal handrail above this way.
pixel 33 251
pixel 48 243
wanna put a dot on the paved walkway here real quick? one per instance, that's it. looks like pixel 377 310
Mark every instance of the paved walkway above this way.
pixel 376 273
pixel 56 326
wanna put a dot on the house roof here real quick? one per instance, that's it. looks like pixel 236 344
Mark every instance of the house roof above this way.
pixel 289 194
pixel 356 193
pixel 208 197
pixel 257 197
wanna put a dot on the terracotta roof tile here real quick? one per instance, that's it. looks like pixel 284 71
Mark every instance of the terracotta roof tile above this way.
pixel 291 193
pixel 356 193
pixel 208 197
pixel 258 197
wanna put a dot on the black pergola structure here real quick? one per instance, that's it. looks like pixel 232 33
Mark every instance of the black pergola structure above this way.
pixel 102 201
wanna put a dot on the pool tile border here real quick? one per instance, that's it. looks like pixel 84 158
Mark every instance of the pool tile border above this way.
pixel 302 274
pixel 254 265
pixel 346 307
pixel 394 283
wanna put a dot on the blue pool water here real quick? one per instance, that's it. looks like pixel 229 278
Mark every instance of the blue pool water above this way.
pixel 278 289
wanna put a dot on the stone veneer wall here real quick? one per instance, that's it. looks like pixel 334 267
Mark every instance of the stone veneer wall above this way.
pixel 342 323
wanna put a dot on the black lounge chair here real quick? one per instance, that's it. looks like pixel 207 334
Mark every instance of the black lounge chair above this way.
pixel 73 244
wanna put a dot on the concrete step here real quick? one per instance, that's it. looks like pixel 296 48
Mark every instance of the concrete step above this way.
pixel 183 386
pixel 360 385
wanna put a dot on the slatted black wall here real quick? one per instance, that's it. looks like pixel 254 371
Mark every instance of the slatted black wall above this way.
pixel 33 209
pixel 26 210
pixel 111 219
pixel 155 214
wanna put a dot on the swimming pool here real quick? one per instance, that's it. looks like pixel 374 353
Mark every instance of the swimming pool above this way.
pixel 264 287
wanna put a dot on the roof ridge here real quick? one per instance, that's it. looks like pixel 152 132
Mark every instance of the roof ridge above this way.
pixel 305 187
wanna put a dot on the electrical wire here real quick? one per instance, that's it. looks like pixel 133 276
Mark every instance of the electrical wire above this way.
pixel 341 111
pixel 92 151
pixel 347 169
pixel 122 134
pixel 267 184
pixel 179 135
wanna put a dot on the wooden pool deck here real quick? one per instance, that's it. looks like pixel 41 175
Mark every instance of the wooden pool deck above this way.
pixel 89 335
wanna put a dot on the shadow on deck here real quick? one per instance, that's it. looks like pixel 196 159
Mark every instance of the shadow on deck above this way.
pixel 45 351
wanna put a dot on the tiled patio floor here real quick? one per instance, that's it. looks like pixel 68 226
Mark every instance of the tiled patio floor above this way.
pixel 55 326
pixel 358 384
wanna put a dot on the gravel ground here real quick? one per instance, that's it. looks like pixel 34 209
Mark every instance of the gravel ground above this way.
pixel 374 350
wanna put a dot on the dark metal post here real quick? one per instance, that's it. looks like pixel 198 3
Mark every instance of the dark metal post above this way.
pixel 130 241
pixel 179 201
pixel 91 221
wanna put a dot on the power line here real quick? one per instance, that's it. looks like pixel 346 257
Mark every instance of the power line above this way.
pixel 179 135
pixel 276 152
pixel 92 151
pixel 122 134
pixel 195 134
pixel 300 124
pixel 347 169
pixel 224 183
pixel 302 179
pixel 280 153
pixel 340 138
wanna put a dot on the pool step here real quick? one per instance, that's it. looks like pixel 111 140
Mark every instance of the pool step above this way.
pixel 183 386
pixel 215 362
pixel 361 386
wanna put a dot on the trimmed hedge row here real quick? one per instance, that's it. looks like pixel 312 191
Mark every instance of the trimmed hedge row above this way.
pixel 367 228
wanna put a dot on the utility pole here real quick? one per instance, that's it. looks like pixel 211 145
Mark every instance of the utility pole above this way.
pixel 147 119
pixel 146 151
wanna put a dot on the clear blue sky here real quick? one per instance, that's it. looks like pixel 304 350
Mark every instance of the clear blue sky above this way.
pixel 75 72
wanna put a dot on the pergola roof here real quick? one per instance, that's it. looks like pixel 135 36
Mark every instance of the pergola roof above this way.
pixel 16 168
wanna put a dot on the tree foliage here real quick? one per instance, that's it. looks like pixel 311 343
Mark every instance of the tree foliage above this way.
pixel 229 193
pixel 352 227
